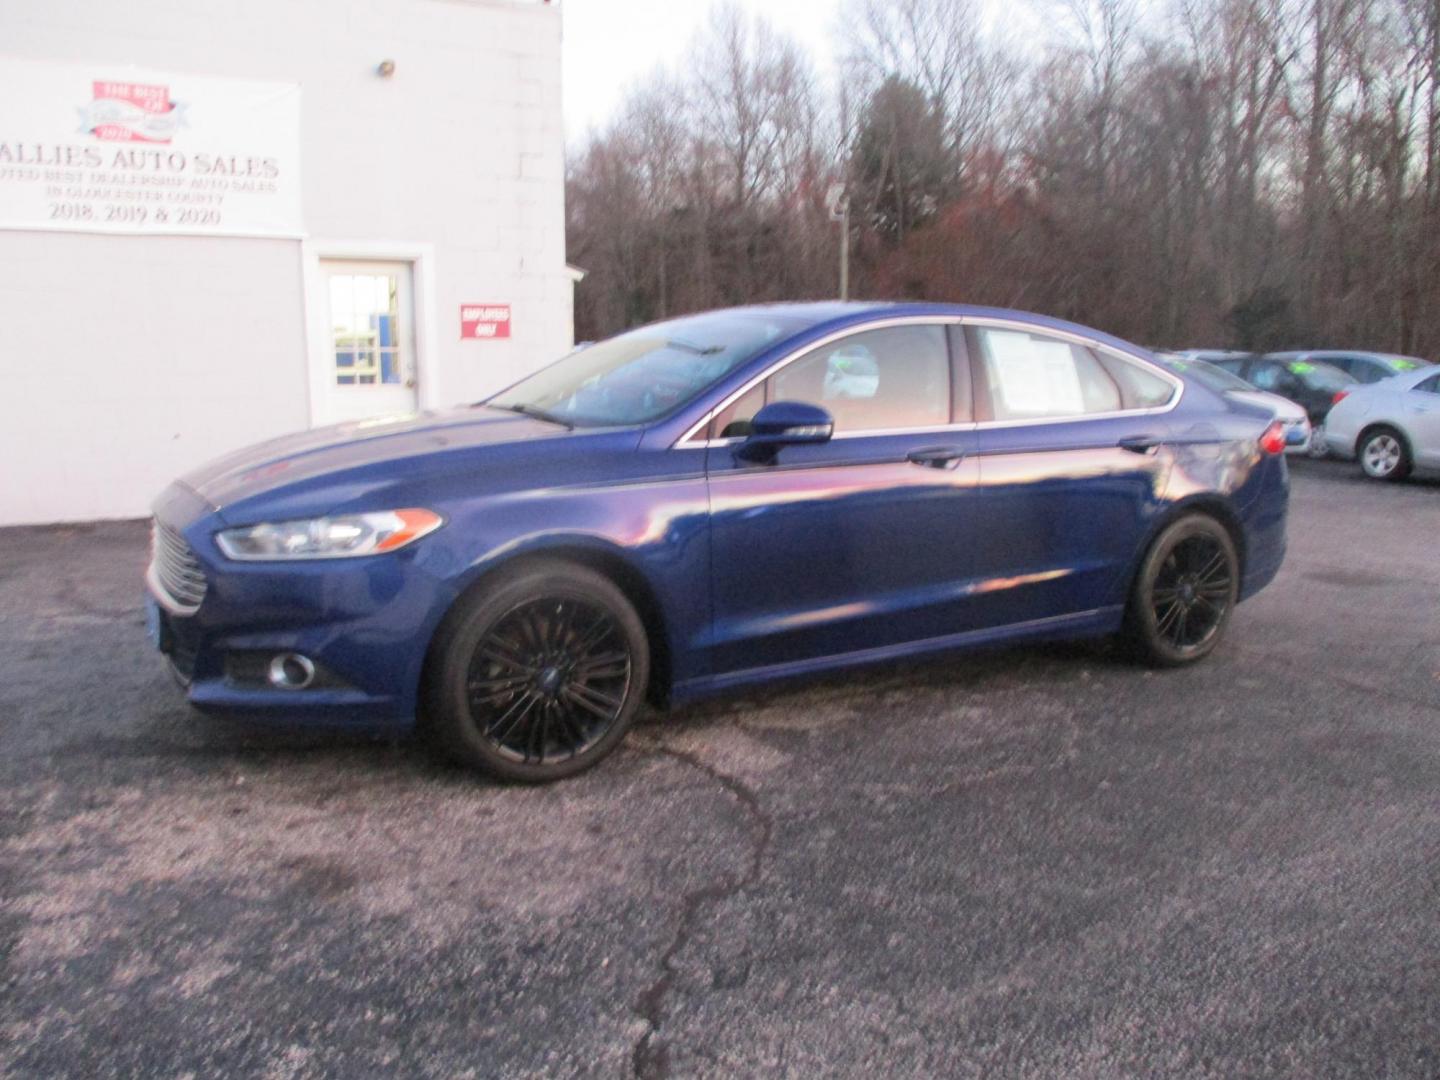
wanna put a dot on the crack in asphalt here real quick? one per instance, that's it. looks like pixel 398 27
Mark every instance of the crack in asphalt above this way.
pixel 650 1060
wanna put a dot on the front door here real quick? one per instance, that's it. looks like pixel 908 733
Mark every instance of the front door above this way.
pixel 861 543
pixel 371 344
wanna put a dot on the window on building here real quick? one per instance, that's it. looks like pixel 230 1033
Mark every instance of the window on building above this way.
pixel 365 329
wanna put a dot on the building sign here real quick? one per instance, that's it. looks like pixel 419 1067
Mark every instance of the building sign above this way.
pixel 107 148
pixel 484 321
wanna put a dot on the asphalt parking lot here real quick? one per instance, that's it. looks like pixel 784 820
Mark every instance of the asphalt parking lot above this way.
pixel 1041 862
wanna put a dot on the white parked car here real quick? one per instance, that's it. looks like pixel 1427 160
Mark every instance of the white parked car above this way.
pixel 1392 426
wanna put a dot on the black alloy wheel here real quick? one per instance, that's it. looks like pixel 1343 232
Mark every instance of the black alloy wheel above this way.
pixel 549 679
pixel 539 676
pixel 1183 596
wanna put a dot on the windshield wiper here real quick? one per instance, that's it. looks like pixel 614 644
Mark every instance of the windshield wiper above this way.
pixel 535 411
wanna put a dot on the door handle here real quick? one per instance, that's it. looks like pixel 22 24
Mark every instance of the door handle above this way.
pixel 936 457
pixel 1141 444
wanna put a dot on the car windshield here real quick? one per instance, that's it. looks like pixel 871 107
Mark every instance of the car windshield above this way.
pixel 644 374
pixel 1207 374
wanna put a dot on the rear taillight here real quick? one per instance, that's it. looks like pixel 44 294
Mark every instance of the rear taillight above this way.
pixel 1273 441
pixel 1340 395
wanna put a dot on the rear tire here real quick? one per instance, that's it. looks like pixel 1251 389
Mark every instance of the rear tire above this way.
pixel 538 675
pixel 1383 454
pixel 1184 593
pixel 1317 448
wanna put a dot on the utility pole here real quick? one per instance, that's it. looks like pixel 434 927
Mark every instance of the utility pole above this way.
pixel 837 202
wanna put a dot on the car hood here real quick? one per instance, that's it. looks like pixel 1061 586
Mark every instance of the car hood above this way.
pixel 1281 408
pixel 307 454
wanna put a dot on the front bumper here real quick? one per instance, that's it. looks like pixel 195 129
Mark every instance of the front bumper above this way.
pixel 365 623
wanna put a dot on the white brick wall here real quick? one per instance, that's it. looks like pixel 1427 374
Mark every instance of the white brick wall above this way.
pixel 133 359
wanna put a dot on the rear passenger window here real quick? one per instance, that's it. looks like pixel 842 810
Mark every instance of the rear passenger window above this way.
pixel 1429 386
pixel 1139 387
pixel 1034 376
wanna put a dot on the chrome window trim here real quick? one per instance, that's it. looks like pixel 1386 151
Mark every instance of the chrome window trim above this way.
pixel 688 440
pixel 1090 343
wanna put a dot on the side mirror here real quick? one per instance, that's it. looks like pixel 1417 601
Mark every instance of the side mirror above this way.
pixel 785 423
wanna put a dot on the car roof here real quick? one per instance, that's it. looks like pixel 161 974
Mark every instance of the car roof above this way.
pixel 1211 355
pixel 837 314
pixel 1329 354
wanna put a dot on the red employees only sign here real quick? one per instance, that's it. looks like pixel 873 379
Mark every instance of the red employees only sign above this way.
pixel 484 321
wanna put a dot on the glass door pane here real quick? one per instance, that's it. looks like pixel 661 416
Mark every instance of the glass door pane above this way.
pixel 370 346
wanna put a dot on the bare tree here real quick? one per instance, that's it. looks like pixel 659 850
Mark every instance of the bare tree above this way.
pixel 1263 172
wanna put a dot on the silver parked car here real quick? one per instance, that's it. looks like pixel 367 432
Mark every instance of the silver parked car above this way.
pixel 1364 367
pixel 1392 425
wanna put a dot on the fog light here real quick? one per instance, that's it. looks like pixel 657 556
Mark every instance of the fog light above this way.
pixel 291 671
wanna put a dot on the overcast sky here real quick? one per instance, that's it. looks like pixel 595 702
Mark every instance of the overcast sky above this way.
pixel 612 44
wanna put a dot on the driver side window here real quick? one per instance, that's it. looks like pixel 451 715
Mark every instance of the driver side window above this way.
pixel 895 377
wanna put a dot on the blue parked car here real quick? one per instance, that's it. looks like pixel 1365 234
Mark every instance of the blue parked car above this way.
pixel 712 502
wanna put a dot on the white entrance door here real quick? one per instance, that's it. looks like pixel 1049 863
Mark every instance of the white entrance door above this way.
pixel 371 358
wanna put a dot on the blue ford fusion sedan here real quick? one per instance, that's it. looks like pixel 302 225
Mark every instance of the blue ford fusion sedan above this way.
pixel 712 502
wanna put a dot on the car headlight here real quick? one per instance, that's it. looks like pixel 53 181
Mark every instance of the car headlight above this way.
pixel 341 537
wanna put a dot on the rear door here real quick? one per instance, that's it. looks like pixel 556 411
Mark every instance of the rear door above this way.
pixel 1074 460
pixel 865 542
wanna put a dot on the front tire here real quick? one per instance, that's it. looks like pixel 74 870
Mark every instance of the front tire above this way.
pixel 1384 455
pixel 1317 449
pixel 1182 598
pixel 538 675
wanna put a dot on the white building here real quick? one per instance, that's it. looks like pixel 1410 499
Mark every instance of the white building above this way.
pixel 224 221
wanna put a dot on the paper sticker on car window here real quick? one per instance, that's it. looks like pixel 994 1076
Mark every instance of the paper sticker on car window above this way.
pixel 1033 377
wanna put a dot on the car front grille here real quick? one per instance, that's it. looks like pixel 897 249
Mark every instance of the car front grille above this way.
pixel 175 568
